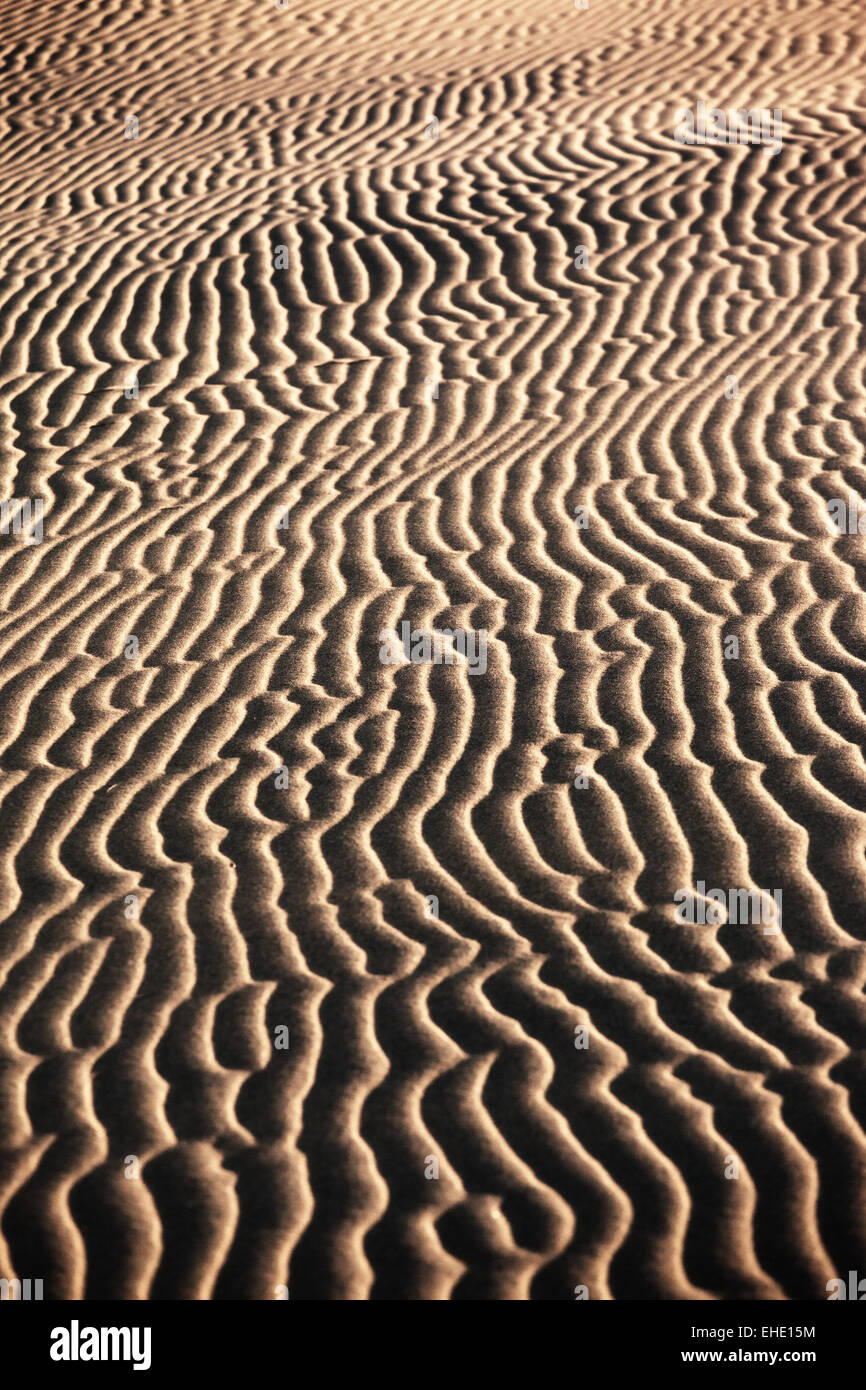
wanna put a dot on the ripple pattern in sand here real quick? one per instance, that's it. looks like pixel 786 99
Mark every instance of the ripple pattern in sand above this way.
pixel 333 279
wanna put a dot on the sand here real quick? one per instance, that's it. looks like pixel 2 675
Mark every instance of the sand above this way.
pixel 336 977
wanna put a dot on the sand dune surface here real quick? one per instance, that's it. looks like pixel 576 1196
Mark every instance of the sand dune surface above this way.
pixel 331 963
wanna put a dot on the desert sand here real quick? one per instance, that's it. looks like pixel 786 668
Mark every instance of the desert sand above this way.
pixel 332 977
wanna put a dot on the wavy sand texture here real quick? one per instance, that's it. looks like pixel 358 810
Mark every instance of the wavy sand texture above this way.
pixel 289 289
